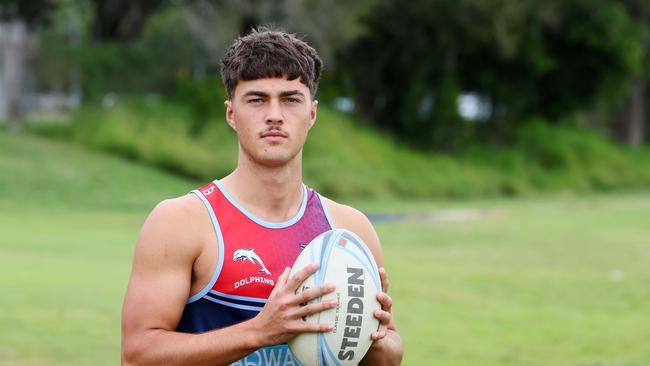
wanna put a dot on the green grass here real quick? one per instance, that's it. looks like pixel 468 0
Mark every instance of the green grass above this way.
pixel 44 174
pixel 561 282
pixel 537 281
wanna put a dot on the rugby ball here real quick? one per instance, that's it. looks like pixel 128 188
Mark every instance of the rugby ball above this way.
pixel 346 261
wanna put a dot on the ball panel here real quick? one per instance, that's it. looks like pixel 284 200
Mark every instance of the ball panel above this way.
pixel 347 262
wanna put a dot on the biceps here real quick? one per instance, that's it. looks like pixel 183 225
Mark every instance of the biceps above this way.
pixel 156 297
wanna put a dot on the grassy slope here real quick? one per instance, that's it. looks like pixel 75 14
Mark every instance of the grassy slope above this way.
pixel 52 175
pixel 341 158
pixel 344 158
pixel 535 282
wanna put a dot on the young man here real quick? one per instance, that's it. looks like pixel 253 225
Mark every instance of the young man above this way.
pixel 210 283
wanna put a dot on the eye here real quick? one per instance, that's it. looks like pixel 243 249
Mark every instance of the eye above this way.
pixel 256 101
pixel 292 100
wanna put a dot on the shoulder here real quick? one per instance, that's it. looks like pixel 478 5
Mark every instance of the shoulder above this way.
pixel 349 218
pixel 178 214
pixel 174 227
pixel 346 217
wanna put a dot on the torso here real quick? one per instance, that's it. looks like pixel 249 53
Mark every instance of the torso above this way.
pixel 241 257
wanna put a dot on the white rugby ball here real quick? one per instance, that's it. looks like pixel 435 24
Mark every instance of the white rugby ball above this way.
pixel 346 261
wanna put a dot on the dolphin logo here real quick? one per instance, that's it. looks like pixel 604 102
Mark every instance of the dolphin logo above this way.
pixel 249 254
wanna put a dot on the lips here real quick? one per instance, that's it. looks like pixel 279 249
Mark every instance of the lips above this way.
pixel 274 134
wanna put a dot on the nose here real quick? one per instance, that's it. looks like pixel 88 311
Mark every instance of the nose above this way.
pixel 274 113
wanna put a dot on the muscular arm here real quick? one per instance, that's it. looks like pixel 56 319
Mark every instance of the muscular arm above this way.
pixel 168 247
pixel 158 289
pixel 387 347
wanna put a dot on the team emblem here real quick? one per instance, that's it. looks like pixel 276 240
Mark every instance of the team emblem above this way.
pixel 250 255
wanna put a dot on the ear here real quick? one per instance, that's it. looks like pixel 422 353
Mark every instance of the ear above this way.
pixel 313 113
pixel 230 114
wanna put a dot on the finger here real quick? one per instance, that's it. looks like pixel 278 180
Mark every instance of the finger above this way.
pixel 280 282
pixel 313 293
pixel 384 317
pixel 315 308
pixel 385 300
pixel 299 277
pixel 375 336
pixel 383 276
pixel 305 327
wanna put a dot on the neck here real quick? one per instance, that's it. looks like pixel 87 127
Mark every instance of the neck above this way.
pixel 271 193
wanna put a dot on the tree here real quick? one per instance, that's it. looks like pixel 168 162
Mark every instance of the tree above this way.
pixel 529 58
pixel 122 20
pixel 629 123
pixel 17 19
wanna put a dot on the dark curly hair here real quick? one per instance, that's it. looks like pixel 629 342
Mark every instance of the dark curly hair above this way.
pixel 265 53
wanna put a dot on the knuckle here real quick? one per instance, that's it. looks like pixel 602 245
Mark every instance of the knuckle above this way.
pixel 290 329
pixel 305 297
pixel 325 289
pixel 283 306
pixel 307 309
pixel 292 280
pixel 324 327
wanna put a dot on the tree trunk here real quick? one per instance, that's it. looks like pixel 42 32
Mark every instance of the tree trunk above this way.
pixel 13 46
pixel 122 20
pixel 249 12
pixel 629 126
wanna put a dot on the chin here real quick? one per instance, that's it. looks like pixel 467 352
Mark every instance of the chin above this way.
pixel 271 156
pixel 273 160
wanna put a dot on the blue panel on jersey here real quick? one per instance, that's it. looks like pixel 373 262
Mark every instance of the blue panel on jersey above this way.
pixel 204 315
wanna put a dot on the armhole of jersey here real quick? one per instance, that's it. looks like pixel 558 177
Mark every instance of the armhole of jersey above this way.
pixel 217 230
pixel 323 204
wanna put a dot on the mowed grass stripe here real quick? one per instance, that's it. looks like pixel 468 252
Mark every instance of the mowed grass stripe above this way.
pixel 564 282
pixel 63 280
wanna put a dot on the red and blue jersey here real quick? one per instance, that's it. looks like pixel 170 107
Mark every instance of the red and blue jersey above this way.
pixel 252 255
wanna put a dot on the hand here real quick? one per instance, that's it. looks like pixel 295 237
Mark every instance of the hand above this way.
pixel 384 315
pixel 282 317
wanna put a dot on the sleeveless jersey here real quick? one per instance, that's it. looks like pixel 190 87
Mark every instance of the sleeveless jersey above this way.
pixel 252 255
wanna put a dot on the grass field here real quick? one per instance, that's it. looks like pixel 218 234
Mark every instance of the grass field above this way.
pixel 546 281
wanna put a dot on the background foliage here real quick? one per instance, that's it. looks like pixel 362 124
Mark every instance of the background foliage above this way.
pixel 554 81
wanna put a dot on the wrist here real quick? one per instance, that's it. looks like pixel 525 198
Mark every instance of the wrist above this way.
pixel 253 334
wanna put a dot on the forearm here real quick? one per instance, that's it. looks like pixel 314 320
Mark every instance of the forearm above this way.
pixel 387 351
pixel 218 347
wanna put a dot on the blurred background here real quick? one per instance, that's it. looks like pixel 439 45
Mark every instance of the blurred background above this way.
pixel 499 146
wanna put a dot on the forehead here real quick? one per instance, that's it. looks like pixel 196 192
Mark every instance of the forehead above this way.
pixel 271 86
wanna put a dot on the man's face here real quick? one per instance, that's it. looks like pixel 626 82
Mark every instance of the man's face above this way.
pixel 271 118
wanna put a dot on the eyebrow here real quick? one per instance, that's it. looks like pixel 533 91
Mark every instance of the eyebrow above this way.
pixel 291 92
pixel 266 95
pixel 255 94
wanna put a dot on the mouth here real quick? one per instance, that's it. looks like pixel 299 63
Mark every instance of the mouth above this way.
pixel 274 135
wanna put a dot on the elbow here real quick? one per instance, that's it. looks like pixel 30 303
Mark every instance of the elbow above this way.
pixel 131 355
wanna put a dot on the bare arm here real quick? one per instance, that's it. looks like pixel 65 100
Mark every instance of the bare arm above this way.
pixel 387 347
pixel 160 285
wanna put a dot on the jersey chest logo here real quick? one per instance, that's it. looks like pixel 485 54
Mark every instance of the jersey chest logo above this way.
pixel 244 255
